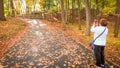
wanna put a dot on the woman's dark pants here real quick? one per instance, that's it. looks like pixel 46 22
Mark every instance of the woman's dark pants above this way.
pixel 99 55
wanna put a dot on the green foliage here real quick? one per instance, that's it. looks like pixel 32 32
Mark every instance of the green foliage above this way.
pixel 106 7
pixel 114 41
pixel 6 11
pixel 54 6
pixel 49 5
pixel 108 11
pixel 109 8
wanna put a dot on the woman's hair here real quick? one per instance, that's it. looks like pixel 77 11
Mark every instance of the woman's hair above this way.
pixel 103 22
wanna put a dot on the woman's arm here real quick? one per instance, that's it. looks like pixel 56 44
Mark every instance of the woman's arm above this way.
pixel 92 28
pixel 95 24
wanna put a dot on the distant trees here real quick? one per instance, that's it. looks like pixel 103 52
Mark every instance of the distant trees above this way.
pixel 66 11
pixel 2 17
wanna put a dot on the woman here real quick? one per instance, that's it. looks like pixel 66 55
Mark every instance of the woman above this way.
pixel 100 42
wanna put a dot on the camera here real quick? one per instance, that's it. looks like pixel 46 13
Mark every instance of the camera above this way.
pixel 95 21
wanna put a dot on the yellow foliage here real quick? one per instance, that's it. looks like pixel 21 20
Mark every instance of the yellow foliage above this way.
pixel 117 14
pixel 29 3
pixel 108 10
pixel 42 2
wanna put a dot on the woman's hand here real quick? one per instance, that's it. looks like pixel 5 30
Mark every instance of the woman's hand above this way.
pixel 95 23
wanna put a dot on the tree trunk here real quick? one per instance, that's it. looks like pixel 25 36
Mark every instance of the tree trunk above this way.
pixel 9 9
pixel 73 2
pixel 79 20
pixel 96 10
pixel 34 6
pixel 88 17
pixel 49 5
pixel 117 24
pixel 103 3
pixel 12 8
pixel 44 5
pixel 66 10
pixel 62 14
pixel 2 17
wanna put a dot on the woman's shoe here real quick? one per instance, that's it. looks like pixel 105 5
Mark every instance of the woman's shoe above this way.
pixel 102 65
pixel 97 66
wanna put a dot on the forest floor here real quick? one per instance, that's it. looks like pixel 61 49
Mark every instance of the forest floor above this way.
pixel 44 44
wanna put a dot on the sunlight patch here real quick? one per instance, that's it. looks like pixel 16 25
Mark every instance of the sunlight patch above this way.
pixel 35 22
pixel 42 25
pixel 40 34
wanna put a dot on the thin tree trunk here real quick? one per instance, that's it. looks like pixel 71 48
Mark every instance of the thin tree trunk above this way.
pixel 12 8
pixel 73 2
pixel 79 17
pixel 62 14
pixel 103 3
pixel 8 7
pixel 49 5
pixel 45 7
pixel 34 5
pixel 88 17
pixel 66 11
pixel 96 10
pixel 117 27
pixel 2 17
pixel 117 24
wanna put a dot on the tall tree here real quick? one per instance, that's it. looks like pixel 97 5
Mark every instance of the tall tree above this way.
pixel 66 10
pixel 117 24
pixel 12 8
pixel 34 5
pixel 73 4
pixel 88 17
pixel 103 3
pixel 2 17
pixel 96 11
pixel 79 21
pixel 62 14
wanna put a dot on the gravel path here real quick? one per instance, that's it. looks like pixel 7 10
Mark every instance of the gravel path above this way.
pixel 44 46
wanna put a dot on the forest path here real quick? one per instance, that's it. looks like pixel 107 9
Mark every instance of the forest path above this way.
pixel 43 46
